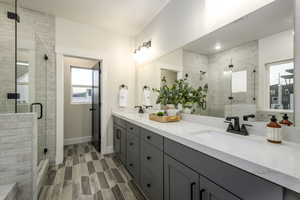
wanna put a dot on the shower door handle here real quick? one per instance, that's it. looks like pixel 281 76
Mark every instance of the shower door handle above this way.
pixel 41 109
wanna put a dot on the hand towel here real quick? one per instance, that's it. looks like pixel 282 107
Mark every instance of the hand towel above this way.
pixel 123 97
pixel 147 97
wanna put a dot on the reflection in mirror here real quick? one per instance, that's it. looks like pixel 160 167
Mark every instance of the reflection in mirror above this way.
pixel 168 76
pixel 247 65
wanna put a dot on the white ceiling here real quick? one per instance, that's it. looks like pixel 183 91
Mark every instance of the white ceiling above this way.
pixel 123 16
pixel 269 20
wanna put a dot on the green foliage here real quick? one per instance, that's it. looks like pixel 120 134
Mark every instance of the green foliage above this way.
pixel 181 93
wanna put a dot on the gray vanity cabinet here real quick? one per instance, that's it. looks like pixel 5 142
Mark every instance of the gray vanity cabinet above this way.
pixel 180 182
pixel 211 191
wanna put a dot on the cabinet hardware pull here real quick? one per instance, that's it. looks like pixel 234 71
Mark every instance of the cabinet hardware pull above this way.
pixel 148 185
pixel 192 190
pixel 118 134
pixel 131 128
pixel 148 157
pixel 201 193
pixel 149 137
pixel 131 165
pixel 131 144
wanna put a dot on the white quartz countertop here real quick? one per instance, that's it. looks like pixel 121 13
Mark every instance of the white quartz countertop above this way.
pixel 277 163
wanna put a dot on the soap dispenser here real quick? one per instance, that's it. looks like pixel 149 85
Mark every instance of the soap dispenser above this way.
pixel 285 121
pixel 274 131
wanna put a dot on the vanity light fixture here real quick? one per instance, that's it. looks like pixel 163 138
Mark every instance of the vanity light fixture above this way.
pixel 141 53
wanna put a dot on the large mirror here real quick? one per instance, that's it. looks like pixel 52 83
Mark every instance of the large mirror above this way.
pixel 244 68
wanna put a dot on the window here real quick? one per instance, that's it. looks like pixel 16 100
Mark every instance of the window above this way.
pixel 81 81
pixel 281 85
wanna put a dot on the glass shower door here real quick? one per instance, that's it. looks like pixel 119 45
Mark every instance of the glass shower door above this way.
pixel 31 77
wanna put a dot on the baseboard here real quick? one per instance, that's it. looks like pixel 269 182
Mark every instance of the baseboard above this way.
pixel 108 150
pixel 78 140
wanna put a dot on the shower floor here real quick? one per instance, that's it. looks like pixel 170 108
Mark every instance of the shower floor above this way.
pixel 86 174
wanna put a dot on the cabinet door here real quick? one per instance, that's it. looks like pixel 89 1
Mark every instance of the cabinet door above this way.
pixel 123 146
pixel 211 191
pixel 117 141
pixel 180 183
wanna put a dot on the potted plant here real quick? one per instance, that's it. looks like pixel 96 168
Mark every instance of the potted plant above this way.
pixel 181 93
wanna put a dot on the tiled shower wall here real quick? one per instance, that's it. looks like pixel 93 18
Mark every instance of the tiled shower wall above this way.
pixel 39 28
pixel 18 160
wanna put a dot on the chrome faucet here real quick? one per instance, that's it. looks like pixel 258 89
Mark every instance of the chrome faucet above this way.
pixel 235 126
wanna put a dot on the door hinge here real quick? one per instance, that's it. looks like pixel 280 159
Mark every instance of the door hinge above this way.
pixel 13 16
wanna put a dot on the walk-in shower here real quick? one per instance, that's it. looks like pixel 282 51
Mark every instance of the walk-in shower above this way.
pixel 26 60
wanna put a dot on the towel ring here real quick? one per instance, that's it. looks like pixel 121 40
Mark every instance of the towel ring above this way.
pixel 146 87
pixel 123 86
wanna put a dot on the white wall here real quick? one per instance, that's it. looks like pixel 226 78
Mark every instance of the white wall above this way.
pixel 297 61
pixel 118 66
pixel 182 22
pixel 274 48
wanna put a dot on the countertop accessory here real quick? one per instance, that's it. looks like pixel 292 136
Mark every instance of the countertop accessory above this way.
pixel 141 110
pixel 164 119
pixel 285 121
pixel 235 127
pixel 274 131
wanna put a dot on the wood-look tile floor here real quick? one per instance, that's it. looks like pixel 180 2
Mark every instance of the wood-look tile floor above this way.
pixel 86 174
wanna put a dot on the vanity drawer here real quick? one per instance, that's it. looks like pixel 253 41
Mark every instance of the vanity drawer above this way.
pixel 152 184
pixel 133 129
pixel 239 182
pixel 151 157
pixel 153 138
pixel 133 165
pixel 133 143
pixel 120 122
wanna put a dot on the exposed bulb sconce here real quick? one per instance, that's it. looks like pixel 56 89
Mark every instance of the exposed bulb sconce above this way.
pixel 142 52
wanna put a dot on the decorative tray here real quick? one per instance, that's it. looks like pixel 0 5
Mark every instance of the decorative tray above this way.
pixel 164 119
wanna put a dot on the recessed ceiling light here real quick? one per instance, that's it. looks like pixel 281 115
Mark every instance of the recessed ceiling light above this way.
pixel 218 47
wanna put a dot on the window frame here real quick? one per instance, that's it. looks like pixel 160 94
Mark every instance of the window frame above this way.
pixel 267 68
pixel 79 86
